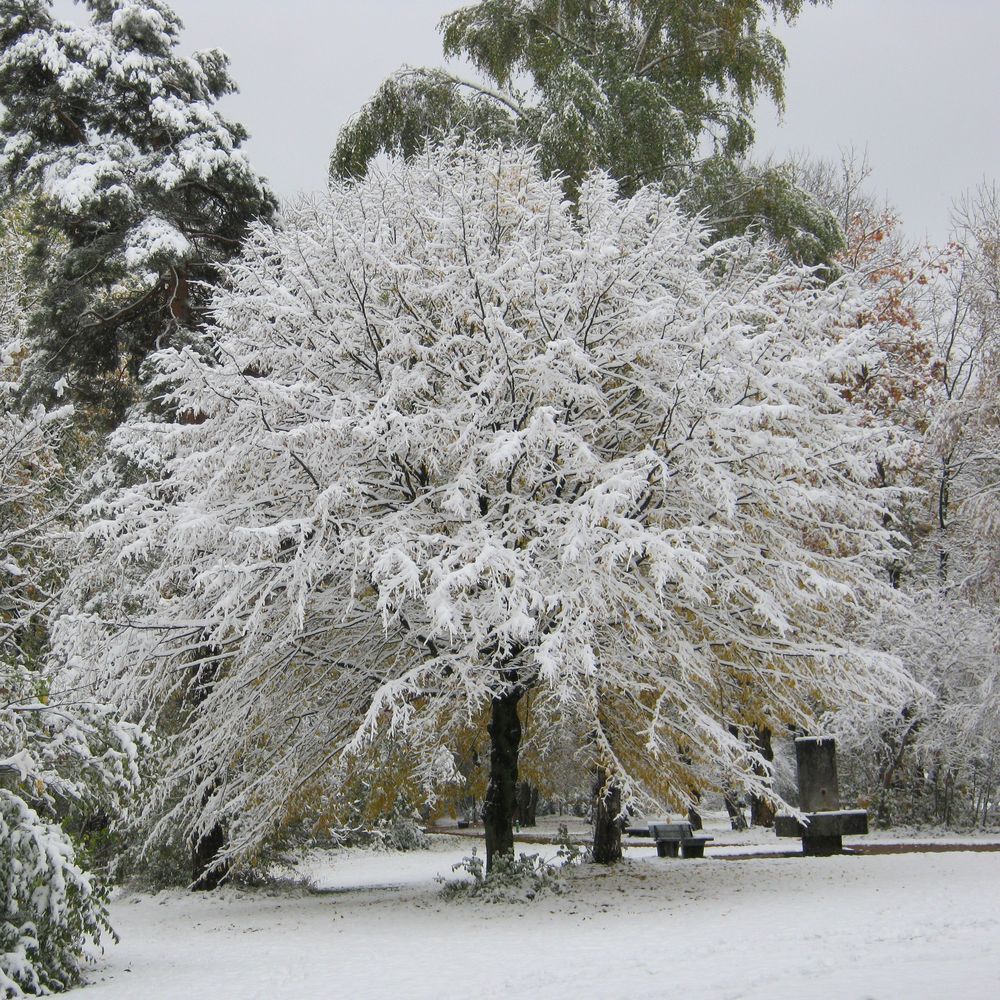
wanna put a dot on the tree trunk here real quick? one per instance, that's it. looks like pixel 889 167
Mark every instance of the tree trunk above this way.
pixel 694 816
pixel 205 849
pixel 887 772
pixel 607 819
pixel 736 818
pixel 761 809
pixel 949 795
pixel 501 793
pixel 527 803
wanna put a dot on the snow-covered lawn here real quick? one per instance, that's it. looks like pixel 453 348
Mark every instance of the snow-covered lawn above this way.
pixel 888 926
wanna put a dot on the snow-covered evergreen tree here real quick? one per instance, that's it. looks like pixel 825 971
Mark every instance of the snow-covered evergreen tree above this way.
pixel 138 187
pixel 56 747
pixel 463 440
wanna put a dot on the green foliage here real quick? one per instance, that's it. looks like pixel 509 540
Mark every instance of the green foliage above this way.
pixel 137 187
pixel 744 195
pixel 408 108
pixel 633 87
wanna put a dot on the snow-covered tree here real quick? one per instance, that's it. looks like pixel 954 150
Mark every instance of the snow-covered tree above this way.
pixel 138 187
pixel 968 324
pixel 56 748
pixel 462 440
pixel 933 313
pixel 933 756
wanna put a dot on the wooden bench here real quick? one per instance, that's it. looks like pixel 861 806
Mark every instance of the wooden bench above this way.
pixel 674 838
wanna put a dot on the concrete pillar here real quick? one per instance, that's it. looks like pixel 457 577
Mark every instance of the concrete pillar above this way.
pixel 816 764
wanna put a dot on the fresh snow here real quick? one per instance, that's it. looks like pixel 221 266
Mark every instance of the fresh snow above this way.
pixel 881 927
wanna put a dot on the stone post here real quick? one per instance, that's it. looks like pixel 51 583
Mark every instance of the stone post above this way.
pixel 816 765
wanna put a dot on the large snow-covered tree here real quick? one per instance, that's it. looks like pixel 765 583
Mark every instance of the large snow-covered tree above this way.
pixel 462 440
pixel 138 187
pixel 56 746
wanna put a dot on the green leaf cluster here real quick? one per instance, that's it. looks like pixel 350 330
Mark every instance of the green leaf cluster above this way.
pixel 648 90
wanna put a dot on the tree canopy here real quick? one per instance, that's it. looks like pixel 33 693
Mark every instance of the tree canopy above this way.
pixel 461 440
pixel 648 90
pixel 137 186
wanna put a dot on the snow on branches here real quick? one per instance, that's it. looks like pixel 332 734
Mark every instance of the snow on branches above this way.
pixel 461 438
pixel 56 746
pixel 138 187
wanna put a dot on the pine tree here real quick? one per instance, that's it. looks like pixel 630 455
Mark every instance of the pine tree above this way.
pixel 138 186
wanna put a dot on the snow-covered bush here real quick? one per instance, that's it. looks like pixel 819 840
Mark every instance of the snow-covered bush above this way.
pixel 56 747
pixel 404 833
pixel 510 880
pixel 52 755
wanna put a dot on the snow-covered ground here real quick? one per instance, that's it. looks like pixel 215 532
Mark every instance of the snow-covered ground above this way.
pixel 915 925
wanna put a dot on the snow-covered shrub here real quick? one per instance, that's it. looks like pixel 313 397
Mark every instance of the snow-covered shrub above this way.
pixel 518 879
pixel 404 833
pixel 56 746
pixel 49 906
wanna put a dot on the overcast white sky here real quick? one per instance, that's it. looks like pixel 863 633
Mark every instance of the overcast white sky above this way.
pixel 916 82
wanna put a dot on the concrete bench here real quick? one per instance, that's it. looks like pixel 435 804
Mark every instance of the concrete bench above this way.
pixel 677 838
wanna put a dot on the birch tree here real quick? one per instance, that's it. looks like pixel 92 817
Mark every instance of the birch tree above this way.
pixel 651 91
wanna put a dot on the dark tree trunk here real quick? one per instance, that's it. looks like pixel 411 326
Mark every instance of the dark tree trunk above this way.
pixel 694 817
pixel 203 855
pixel 736 818
pixel 527 803
pixel 205 874
pixel 607 820
pixel 761 809
pixel 501 793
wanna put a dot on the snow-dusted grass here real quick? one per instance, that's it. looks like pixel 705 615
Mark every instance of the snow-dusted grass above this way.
pixel 889 926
